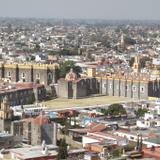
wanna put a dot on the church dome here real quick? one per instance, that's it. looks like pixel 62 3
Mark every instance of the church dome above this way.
pixel 71 76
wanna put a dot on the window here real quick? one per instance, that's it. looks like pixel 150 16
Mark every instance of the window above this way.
pixel 134 88
pixel 10 95
pixel 39 91
pixel 110 86
pixel 10 142
pixel 9 74
pixel 38 76
pixel 50 76
pixel 142 89
pixel 105 85
pixel 82 83
pixel 23 74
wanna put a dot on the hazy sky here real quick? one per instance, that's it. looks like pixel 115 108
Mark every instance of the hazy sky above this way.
pixel 103 9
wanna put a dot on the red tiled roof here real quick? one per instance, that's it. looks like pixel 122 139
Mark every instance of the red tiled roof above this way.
pixel 123 130
pixel 19 86
pixel 104 135
pixel 28 119
pixel 95 137
pixel 27 85
pixel 98 128
pixel 92 127
pixel 52 58
pixel 154 154
pixel 41 120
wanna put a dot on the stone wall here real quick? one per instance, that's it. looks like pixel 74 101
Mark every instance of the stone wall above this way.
pixel 25 74
pixel 44 73
pixel 27 131
pixel 77 89
pixel 11 73
pixel 80 89
pixel 48 133
pixel 35 134
pixel 64 89
pixel 17 128
pixel 154 88
pixel 127 88
pixel 5 125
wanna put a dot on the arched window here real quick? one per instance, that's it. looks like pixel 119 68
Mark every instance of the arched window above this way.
pixel 38 75
pixel 134 88
pixel 23 75
pixel 82 83
pixel 142 89
pixel 49 76
pixel 9 74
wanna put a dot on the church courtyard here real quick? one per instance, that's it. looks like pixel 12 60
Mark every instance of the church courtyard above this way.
pixel 62 103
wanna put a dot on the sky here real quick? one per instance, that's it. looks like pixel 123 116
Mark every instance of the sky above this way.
pixel 92 9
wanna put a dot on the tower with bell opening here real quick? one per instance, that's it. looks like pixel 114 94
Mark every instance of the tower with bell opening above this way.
pixel 6 115
pixel 122 41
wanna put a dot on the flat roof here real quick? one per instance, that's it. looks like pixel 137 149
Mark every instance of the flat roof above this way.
pixel 2 135
pixel 145 133
pixel 75 151
pixel 154 140
pixel 34 152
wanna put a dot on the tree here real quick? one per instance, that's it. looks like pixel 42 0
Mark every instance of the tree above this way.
pixel 141 111
pixel 114 110
pixel 131 61
pixel 27 59
pixel 65 52
pixel 130 147
pixel 31 98
pixel 144 60
pixel 117 152
pixel 62 152
pixel 130 41
pixel 37 47
pixel 66 66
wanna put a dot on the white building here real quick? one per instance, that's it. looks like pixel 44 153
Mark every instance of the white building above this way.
pixel 103 137
pixel 149 120
pixel 133 138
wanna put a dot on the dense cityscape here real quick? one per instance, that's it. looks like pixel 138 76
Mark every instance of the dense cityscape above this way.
pixel 79 89
pixel 82 86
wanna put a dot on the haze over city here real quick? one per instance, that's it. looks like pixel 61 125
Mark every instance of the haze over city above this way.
pixel 79 79
pixel 84 9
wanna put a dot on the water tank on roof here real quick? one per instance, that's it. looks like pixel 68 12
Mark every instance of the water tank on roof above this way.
pixel 53 115
pixel 9 87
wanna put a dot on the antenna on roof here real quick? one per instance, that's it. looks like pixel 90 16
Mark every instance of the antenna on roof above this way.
pixel 44 148
pixel 43 144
